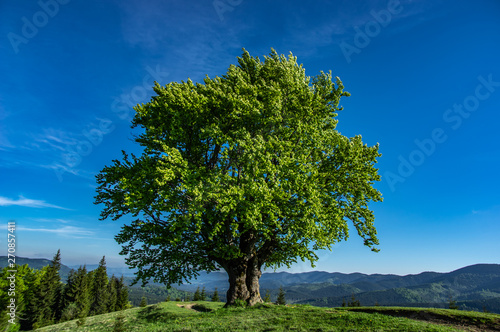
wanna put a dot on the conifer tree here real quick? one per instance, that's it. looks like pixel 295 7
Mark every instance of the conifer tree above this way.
pixel 29 314
pixel 354 302
pixel 99 290
pixel 48 297
pixel 24 279
pixel 121 294
pixel 267 297
pixel 452 304
pixel 119 325
pixel 215 297
pixel 281 297
pixel 203 294
pixel 68 298
pixel 82 298
pixel 197 295
pixel 144 302
pixel 112 291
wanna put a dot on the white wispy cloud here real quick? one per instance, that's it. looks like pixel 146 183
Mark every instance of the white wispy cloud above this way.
pixel 52 220
pixel 26 202
pixel 66 231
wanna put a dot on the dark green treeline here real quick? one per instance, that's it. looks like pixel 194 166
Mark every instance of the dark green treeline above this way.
pixel 42 298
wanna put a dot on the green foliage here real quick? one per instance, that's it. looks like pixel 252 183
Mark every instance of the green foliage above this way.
pixel 77 294
pixel 81 321
pixel 42 299
pixel 452 304
pixel 246 169
pixel 99 295
pixel 354 302
pixel 203 294
pixel 122 294
pixel 112 293
pixel 119 325
pixel 281 297
pixel 144 302
pixel 215 296
pixel 267 297
pixel 46 306
pixel 197 295
pixel 70 312
pixel 27 281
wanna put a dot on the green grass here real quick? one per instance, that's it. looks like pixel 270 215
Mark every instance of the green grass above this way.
pixel 209 316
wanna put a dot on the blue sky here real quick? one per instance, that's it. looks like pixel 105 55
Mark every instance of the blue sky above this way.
pixel 424 78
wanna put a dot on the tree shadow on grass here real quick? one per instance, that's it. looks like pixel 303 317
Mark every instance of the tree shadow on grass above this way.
pixel 155 314
pixel 201 308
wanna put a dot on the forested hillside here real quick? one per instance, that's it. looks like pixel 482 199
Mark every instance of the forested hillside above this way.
pixel 31 298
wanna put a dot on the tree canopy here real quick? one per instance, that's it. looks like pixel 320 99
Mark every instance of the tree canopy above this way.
pixel 240 172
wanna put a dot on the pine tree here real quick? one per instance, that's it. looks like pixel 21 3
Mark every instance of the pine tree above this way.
pixel 119 325
pixel 69 310
pixel 144 302
pixel 121 295
pixel 49 295
pixel 82 296
pixel 267 297
pixel 197 295
pixel 99 290
pixel 452 304
pixel 354 302
pixel 281 297
pixel 203 294
pixel 215 297
pixel 25 278
pixel 112 291
pixel 76 295
pixel 29 315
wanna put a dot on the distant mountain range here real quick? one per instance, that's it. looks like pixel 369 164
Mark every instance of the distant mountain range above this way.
pixel 475 287
pixel 39 263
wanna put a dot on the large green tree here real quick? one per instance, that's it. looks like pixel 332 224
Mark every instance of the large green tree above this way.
pixel 240 172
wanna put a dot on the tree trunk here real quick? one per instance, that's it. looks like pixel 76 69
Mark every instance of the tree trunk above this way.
pixel 243 282
pixel 237 284
pixel 252 281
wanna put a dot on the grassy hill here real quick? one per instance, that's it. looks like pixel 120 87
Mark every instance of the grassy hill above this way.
pixel 209 316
